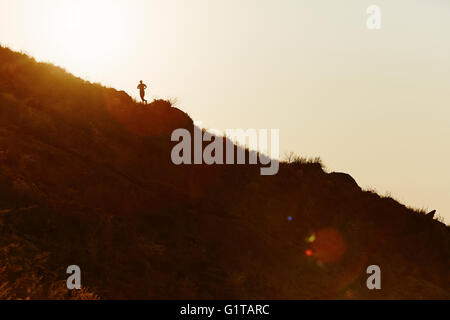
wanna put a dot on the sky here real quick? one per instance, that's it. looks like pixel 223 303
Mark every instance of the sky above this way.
pixel 372 103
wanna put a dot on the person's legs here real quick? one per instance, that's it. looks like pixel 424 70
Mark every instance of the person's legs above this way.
pixel 143 97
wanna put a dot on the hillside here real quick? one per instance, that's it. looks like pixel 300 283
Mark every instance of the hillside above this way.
pixel 86 178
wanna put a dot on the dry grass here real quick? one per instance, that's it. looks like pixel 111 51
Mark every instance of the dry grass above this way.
pixel 93 169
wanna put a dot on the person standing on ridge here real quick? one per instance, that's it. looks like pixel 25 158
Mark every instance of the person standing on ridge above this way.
pixel 142 86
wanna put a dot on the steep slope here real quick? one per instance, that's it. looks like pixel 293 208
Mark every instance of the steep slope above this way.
pixel 86 178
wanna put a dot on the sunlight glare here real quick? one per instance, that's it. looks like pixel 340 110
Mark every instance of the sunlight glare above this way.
pixel 90 35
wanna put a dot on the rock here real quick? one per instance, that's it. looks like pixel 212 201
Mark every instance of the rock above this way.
pixel 343 179
pixel 431 214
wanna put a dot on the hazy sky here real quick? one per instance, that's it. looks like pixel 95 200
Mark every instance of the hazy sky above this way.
pixel 373 103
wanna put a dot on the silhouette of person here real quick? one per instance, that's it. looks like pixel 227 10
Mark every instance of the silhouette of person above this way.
pixel 142 86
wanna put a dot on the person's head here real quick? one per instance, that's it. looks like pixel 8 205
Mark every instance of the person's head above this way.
pixel 141 81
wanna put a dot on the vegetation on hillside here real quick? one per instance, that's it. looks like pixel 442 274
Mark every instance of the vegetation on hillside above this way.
pixel 86 179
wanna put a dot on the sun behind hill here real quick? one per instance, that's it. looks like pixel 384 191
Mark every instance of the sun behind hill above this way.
pixel 90 34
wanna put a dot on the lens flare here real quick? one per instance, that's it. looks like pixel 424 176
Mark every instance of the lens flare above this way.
pixel 328 246
pixel 311 238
